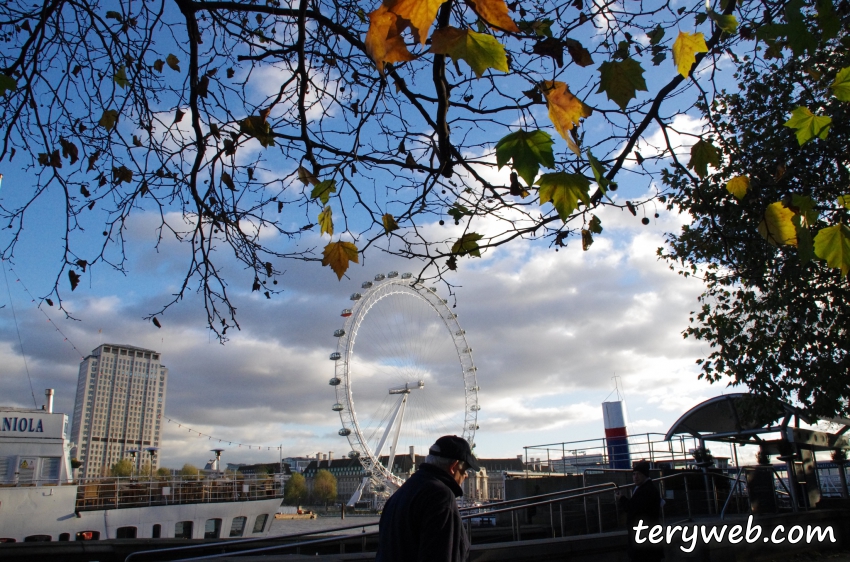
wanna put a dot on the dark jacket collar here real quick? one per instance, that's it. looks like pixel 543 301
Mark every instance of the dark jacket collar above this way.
pixel 443 477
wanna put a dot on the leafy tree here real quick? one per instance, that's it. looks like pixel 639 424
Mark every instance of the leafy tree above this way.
pixel 244 126
pixel 324 487
pixel 295 489
pixel 122 468
pixel 770 232
pixel 163 472
pixel 255 122
pixel 189 470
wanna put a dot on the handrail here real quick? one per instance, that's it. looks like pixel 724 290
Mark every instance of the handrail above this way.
pixel 550 498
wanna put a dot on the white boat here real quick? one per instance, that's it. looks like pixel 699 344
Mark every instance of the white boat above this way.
pixel 40 500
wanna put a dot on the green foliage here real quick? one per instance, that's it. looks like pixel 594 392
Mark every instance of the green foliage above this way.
pixel 808 125
pixel 324 487
pixel 703 153
pixel 564 191
pixel 620 80
pixel 295 489
pixel 120 77
pixel 189 470
pixel 841 85
pixel 7 83
pixel 122 468
pixel 480 51
pixel 527 152
pixel 323 190
pixel 162 472
pixel 776 303
pixel 467 244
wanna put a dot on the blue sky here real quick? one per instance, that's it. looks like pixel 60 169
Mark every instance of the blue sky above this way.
pixel 549 329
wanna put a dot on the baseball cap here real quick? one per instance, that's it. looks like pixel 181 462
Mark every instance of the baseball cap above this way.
pixel 642 467
pixel 456 448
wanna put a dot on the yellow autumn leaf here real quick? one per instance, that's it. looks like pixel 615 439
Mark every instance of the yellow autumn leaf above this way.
pixel 390 223
pixel 420 13
pixel 494 12
pixel 326 221
pixel 738 186
pixel 776 227
pixel 338 255
pixel 383 40
pixel 685 48
pixel 565 109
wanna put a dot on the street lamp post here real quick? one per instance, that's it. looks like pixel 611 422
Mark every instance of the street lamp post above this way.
pixel 218 459
pixel 152 451
pixel 133 453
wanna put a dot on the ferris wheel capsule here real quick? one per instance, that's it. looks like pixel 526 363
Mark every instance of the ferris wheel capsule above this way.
pixel 334 381
pixel 379 277
pixel 406 275
pixel 392 274
pixel 344 432
pixel 339 333
pixel 366 285
pixel 346 312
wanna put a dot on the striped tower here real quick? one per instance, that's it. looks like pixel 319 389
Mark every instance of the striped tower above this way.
pixel 616 437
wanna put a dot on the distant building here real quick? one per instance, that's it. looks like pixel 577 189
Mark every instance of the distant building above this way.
pixel 119 405
pixel 348 473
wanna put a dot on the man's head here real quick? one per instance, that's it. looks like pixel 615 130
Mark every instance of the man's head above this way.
pixel 454 455
pixel 640 472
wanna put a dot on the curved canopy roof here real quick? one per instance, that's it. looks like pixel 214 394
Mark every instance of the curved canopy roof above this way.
pixel 735 417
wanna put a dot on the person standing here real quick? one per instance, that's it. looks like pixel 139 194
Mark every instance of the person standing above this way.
pixel 421 520
pixel 643 506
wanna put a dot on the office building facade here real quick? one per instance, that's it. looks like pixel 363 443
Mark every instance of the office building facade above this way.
pixel 119 408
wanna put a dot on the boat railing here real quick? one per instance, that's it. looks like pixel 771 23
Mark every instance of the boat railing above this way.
pixel 114 493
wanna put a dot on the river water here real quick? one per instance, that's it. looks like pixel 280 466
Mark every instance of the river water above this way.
pixel 292 526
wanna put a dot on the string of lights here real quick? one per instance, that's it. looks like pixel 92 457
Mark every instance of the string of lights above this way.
pixel 49 302
pixel 228 441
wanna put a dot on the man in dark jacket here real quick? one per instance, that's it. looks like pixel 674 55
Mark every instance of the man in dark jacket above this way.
pixel 644 506
pixel 421 521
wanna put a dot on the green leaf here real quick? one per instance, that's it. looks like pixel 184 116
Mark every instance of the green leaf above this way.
pixel 7 83
pixel 841 85
pixel 326 221
pixel 120 78
pixel 173 62
pixel 804 206
pixel 703 153
pixel 108 119
pixel 390 223
pixel 828 21
pixel 527 151
pixel 620 80
pixel 541 28
pixel 833 245
pixel 844 200
pixel 458 211
pixel 738 186
pixel 564 191
pixel 595 225
pixel 598 172
pixel 800 39
pixel 727 23
pixel 256 126
pixel 777 226
pixel 468 244
pixel 656 35
pixel 808 125
pixel 480 51
pixel 323 191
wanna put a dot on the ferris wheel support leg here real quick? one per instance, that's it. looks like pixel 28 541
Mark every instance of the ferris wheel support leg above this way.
pixel 397 432
pixel 390 426
pixel 355 497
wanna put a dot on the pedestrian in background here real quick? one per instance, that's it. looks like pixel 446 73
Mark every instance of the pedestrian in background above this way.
pixel 643 505
pixel 421 521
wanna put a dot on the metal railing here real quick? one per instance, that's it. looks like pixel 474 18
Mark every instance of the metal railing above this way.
pixel 115 493
pixel 586 510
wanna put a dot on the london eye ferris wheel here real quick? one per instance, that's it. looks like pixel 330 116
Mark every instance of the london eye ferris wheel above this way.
pixel 403 376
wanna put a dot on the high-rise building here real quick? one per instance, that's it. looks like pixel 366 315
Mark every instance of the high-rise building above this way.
pixel 119 406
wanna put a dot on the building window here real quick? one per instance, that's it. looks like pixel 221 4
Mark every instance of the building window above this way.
pixel 183 530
